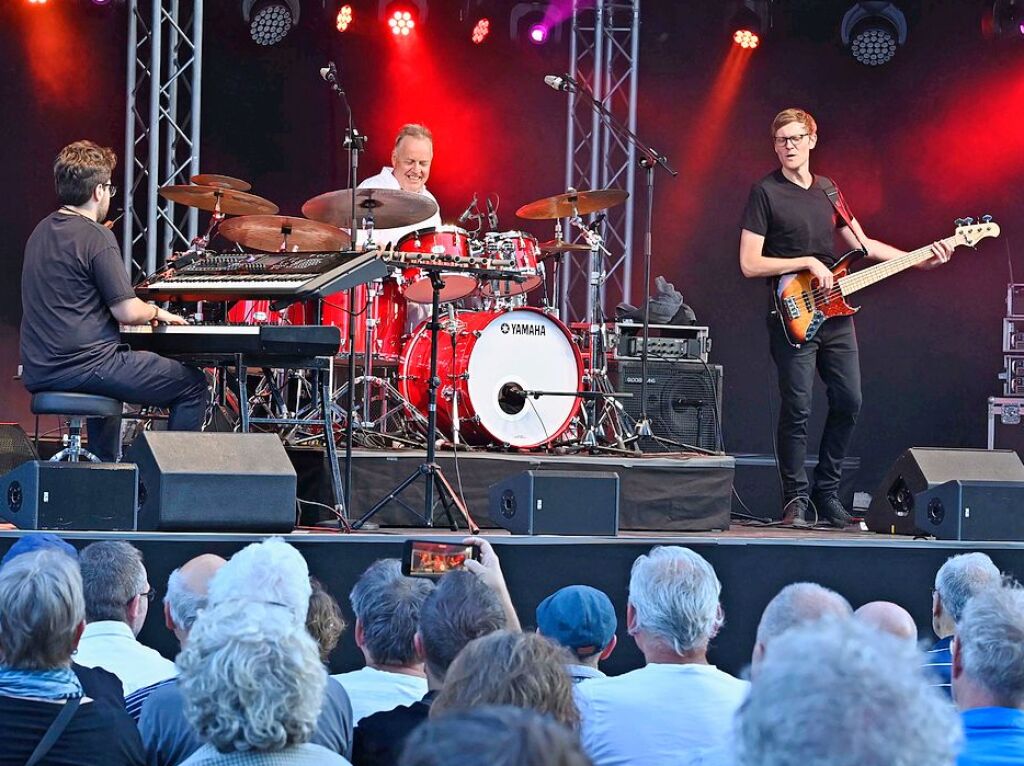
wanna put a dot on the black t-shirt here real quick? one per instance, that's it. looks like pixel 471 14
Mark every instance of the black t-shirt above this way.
pixel 379 738
pixel 794 221
pixel 73 273
pixel 98 733
pixel 100 684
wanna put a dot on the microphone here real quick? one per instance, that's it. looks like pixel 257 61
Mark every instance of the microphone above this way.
pixel 329 73
pixel 492 216
pixel 467 213
pixel 564 83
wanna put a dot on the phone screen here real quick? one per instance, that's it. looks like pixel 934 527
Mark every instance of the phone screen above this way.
pixel 434 559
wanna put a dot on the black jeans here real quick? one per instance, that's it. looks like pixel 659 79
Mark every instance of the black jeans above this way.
pixel 833 354
pixel 141 377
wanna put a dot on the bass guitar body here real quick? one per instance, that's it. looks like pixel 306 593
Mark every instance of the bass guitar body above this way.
pixel 803 305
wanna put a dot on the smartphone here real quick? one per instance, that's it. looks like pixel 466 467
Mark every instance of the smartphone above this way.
pixel 428 559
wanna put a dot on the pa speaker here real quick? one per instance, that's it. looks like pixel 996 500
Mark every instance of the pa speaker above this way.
pixel 205 482
pixel 15 447
pixel 61 496
pixel 557 503
pixel 921 468
pixel 972 510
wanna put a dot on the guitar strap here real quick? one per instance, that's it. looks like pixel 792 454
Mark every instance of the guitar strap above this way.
pixel 826 185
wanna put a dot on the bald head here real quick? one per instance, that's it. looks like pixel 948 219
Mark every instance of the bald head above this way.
pixel 187 589
pixel 889 618
pixel 797 604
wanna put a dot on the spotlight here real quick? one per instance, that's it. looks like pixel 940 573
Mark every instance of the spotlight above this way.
pixel 401 23
pixel 480 31
pixel 37 2
pixel 537 22
pixel 402 17
pixel 538 34
pixel 1008 18
pixel 270 21
pixel 344 18
pixel 872 30
pixel 746 39
pixel 748 23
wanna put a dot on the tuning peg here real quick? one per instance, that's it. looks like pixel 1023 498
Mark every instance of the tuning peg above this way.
pixel 959 222
pixel 986 219
pixel 968 221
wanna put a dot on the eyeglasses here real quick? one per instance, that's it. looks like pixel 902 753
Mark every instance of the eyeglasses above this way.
pixel 111 188
pixel 794 140
pixel 149 595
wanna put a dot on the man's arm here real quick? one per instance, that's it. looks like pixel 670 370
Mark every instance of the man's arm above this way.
pixel 488 569
pixel 880 251
pixel 135 311
pixel 755 264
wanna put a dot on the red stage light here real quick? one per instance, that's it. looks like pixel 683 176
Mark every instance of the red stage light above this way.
pixel 538 34
pixel 37 2
pixel 402 23
pixel 746 39
pixel 344 18
pixel 481 30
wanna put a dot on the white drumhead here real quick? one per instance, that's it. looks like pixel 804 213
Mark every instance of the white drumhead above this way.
pixel 529 350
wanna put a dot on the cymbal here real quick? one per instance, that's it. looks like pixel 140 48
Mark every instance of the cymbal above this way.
pixel 561 205
pixel 273 233
pixel 231 202
pixel 223 182
pixel 390 207
pixel 559 246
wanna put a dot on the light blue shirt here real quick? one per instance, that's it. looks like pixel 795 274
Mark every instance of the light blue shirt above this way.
pixel 993 736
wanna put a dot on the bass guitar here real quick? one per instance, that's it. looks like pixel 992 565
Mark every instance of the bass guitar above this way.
pixel 803 305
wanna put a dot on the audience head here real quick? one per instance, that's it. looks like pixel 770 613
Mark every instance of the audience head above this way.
pixel 187 590
pixel 961 577
pixel 41 610
pixel 504 668
pixel 890 618
pixel 796 604
pixel 387 609
pixel 460 609
pixel 837 692
pixel 988 651
pixel 324 621
pixel 35 541
pixel 673 601
pixel 115 583
pixel 268 572
pixel 493 735
pixel 580 618
pixel 251 677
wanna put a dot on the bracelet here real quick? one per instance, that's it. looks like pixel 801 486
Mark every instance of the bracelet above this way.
pixel 156 313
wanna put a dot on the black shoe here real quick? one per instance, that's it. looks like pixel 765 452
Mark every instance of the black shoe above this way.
pixel 794 514
pixel 832 510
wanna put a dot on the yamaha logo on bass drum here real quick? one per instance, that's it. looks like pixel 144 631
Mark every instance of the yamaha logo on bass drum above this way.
pixel 521 328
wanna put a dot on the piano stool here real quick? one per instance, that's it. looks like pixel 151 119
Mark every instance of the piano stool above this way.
pixel 76 408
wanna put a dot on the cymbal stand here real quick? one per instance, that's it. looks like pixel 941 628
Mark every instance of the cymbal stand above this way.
pixel 430 470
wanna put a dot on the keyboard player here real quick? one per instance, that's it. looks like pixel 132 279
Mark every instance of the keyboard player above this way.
pixel 76 293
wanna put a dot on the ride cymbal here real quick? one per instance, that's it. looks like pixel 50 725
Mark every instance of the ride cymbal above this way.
pixel 390 207
pixel 214 198
pixel 558 246
pixel 562 205
pixel 223 182
pixel 281 233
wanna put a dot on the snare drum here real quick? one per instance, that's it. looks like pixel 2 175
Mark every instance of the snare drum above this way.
pixel 520 248
pixel 444 240
pixel 380 301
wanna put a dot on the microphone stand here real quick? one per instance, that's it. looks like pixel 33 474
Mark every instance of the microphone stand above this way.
pixel 650 158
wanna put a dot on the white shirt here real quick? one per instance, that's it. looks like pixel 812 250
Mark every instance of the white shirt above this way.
pixel 111 645
pixel 372 690
pixel 385 179
pixel 659 714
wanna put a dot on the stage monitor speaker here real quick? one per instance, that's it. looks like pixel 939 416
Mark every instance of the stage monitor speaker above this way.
pixel 89 496
pixel 213 482
pixel 557 503
pixel 921 468
pixel 972 510
pixel 15 447
pixel 684 400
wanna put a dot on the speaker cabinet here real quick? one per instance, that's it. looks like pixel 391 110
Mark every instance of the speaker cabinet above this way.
pixel 15 447
pixel 972 510
pixel 213 482
pixel 684 400
pixel 62 496
pixel 922 468
pixel 557 503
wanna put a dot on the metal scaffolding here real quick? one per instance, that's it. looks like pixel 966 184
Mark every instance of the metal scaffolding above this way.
pixel 162 124
pixel 605 51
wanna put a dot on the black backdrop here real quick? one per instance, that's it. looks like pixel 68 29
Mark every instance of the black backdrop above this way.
pixel 934 135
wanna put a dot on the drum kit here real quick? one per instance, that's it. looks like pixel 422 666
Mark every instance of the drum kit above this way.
pixel 511 375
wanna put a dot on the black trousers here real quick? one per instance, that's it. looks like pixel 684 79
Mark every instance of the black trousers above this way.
pixel 832 354
pixel 141 377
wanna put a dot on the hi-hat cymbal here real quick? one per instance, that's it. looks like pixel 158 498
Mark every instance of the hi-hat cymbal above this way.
pixel 223 182
pixel 274 233
pixel 213 198
pixel 390 207
pixel 559 246
pixel 561 205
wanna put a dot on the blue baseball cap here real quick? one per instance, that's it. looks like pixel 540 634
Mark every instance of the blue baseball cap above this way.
pixel 578 617
pixel 37 541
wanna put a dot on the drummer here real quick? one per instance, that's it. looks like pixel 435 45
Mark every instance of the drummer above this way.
pixel 409 171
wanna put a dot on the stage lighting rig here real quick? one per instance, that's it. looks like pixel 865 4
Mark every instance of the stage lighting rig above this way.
pixel 534 22
pixel 873 30
pixel 344 18
pixel 749 23
pixel 270 21
pixel 402 16
pixel 1008 18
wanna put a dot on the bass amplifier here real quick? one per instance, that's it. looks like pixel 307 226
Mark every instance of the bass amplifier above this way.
pixel 684 400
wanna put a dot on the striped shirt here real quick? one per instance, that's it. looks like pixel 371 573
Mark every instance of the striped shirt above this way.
pixel 938 663
pixel 133 702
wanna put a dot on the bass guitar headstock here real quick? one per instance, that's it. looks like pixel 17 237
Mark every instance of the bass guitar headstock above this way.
pixel 970 233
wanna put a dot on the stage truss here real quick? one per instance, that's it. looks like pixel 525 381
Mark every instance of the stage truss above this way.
pixel 604 52
pixel 162 127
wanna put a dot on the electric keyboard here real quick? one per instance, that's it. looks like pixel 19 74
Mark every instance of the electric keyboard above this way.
pixel 218 343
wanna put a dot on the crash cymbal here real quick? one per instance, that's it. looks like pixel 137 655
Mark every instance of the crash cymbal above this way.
pixel 557 246
pixel 223 182
pixel 390 207
pixel 212 198
pixel 561 205
pixel 274 233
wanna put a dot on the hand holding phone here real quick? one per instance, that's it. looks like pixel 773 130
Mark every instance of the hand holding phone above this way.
pixel 422 558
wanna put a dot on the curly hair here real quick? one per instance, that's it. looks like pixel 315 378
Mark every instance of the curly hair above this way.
pixel 324 621
pixel 503 668
pixel 79 169
pixel 251 678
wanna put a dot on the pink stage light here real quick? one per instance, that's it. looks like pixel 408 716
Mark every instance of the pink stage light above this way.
pixel 538 34
pixel 481 30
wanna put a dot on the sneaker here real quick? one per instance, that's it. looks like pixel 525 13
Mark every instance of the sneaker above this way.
pixel 794 514
pixel 832 509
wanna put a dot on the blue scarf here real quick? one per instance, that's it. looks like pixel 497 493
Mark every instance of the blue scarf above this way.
pixel 53 684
